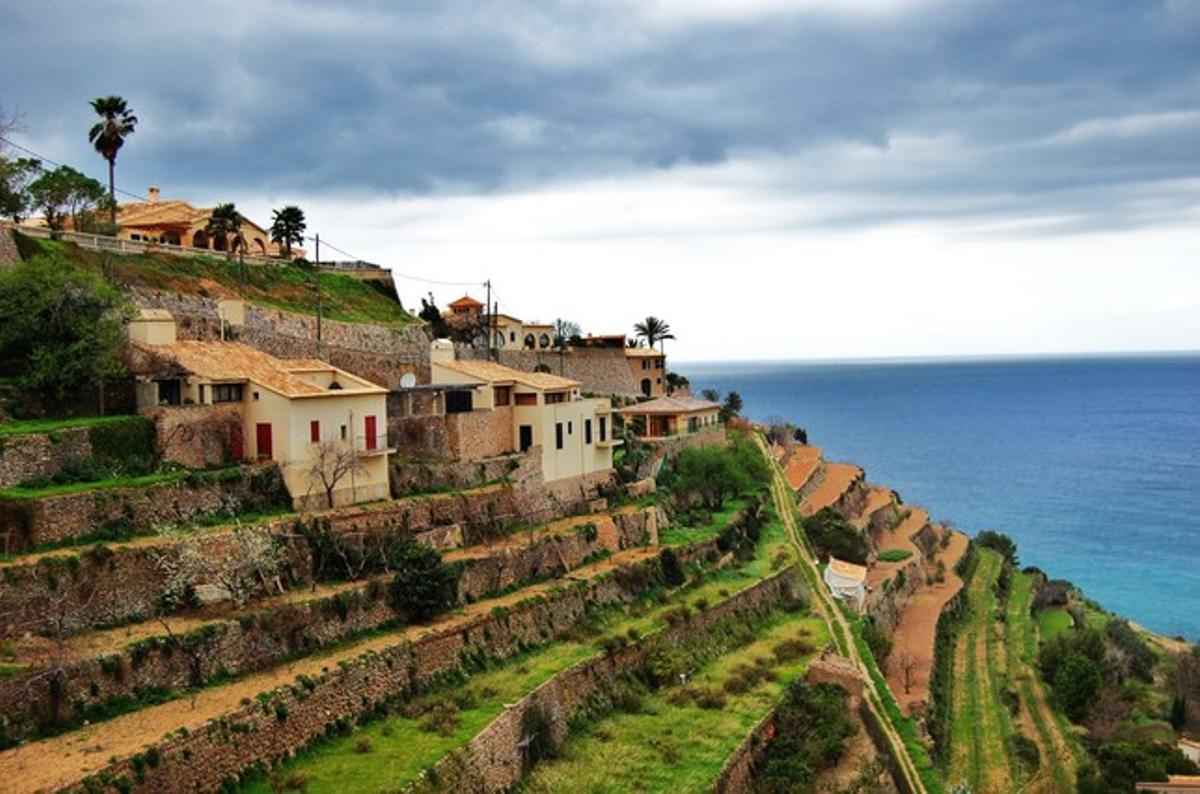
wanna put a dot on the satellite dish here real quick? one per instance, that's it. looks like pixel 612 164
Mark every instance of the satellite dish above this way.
pixel 408 380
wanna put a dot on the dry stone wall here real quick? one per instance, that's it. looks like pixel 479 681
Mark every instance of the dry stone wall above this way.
pixel 493 761
pixel 274 728
pixel 417 476
pixel 41 454
pixel 600 370
pixel 379 353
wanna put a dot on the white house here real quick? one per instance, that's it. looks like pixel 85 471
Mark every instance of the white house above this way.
pixel 847 581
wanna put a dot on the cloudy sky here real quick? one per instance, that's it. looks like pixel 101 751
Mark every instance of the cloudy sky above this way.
pixel 809 179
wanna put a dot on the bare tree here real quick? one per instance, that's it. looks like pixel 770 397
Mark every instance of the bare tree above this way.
pixel 332 462
pixel 906 665
pixel 253 562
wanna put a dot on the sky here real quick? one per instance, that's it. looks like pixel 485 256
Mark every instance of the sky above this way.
pixel 777 180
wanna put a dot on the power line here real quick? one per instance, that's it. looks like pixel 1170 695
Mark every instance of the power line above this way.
pixel 42 158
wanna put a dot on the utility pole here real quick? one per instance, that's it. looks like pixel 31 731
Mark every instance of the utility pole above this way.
pixel 488 317
pixel 317 276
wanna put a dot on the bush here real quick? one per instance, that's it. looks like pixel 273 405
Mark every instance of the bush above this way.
pixel 1123 764
pixel 811 729
pixel 1138 659
pixel 363 745
pixel 788 650
pixel 1026 751
pixel 879 643
pixel 672 571
pixel 998 541
pixel 424 586
pixel 834 536
pixel 1076 683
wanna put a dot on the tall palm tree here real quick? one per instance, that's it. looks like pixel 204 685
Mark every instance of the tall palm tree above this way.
pixel 653 330
pixel 108 136
pixel 225 223
pixel 287 227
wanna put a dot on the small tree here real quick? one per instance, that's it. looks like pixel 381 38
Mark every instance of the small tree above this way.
pixel 712 395
pixel 431 314
pixel 1075 686
pixel 653 330
pixel 906 665
pixel 65 193
pixel 332 462
pixel 253 561
pixel 15 178
pixel 287 228
pixel 732 406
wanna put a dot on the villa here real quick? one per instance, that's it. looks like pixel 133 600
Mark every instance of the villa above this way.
pixel 326 428
pixel 476 409
pixel 668 417
pixel 649 367
pixel 847 581
pixel 508 332
pixel 176 222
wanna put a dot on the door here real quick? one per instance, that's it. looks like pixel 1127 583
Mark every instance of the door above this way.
pixel 526 433
pixel 372 441
pixel 237 442
pixel 262 441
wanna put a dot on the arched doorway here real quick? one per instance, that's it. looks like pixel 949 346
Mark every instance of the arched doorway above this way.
pixel 260 247
pixel 530 342
pixel 220 243
pixel 645 387
pixel 200 239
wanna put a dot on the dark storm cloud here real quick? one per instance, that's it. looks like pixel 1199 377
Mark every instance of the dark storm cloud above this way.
pixel 1071 108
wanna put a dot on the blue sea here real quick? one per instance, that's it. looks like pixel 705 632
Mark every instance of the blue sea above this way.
pixel 1091 463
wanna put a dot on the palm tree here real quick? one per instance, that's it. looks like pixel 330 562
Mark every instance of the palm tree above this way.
pixel 225 223
pixel 653 330
pixel 287 227
pixel 108 136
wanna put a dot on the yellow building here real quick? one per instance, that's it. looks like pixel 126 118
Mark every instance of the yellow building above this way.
pixel 507 332
pixel 176 222
pixel 575 434
pixel 649 368
pixel 326 428
pixel 673 416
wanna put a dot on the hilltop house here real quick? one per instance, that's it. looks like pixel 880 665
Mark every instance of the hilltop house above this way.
pixel 666 417
pixel 508 332
pixel 477 409
pixel 176 222
pixel 649 367
pixel 325 427
pixel 847 581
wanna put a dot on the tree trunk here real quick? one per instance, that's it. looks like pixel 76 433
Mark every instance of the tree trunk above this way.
pixel 112 194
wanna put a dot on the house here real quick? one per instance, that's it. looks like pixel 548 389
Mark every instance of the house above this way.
pixel 326 428
pixel 672 416
pixel 847 581
pixel 649 367
pixel 525 410
pixel 1190 748
pixel 1175 784
pixel 466 306
pixel 176 222
pixel 511 333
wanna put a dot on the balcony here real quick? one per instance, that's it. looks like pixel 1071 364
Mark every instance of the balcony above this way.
pixel 370 446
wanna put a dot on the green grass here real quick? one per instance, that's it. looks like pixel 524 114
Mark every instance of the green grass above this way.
pixel 22 492
pixel 1053 621
pixel 398 758
pixel 679 535
pixel 894 555
pixel 676 747
pixel 27 426
pixel 12 670
pixel 284 287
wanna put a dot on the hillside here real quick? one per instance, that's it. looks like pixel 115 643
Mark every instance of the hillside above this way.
pixel 284 287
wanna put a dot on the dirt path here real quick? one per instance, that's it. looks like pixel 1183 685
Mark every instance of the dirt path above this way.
pixel 833 617
pixel 838 479
pixel 65 759
pixel 917 630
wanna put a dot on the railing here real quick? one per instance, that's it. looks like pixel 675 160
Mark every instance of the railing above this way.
pixel 364 445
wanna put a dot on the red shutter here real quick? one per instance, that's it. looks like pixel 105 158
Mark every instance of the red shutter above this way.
pixel 370 432
pixel 314 431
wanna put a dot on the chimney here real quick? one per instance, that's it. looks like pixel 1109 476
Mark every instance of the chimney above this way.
pixel 153 191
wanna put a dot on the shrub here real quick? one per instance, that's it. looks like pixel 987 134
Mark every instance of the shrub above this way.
pixel 708 698
pixel 672 571
pixel 441 718
pixel 833 536
pixel 424 585
pixel 894 555
pixel 999 542
pixel 1138 659
pixel 788 650
pixel 1076 683
pixel 1026 751
pixel 879 643
pixel 811 729
pixel 363 745
pixel 1122 764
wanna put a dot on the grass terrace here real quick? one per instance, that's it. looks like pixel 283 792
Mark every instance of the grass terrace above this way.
pixel 27 426
pixel 284 286
pixel 1054 621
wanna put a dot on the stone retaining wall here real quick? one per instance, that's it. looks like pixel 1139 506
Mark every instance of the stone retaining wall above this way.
pixel 742 767
pixel 124 583
pixel 886 607
pixel 196 436
pixel 28 523
pixel 600 370
pixel 275 728
pixel 493 762
pixel 379 353
pixel 41 454
pixel 416 476
pixel 256 640
pixel 470 436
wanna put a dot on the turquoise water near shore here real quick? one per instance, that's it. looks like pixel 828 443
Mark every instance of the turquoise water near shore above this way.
pixel 1091 463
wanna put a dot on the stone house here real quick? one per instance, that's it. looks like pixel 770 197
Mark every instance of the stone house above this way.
pixel 326 428
pixel 649 368
pixel 847 581
pixel 477 409
pixel 667 417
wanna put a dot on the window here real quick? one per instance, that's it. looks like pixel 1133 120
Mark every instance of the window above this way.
pixel 645 364
pixel 525 398
pixel 255 395
pixel 228 393
pixel 343 432
pixel 502 395
pixel 553 398
pixel 201 400
pixel 526 436
pixel 587 431
pixel 658 363
pixel 314 432
pixel 570 428
pixel 169 392
pixel 512 336
pixel 544 340
pixel 459 402
pixel 529 341
pixel 558 435
pixel 604 428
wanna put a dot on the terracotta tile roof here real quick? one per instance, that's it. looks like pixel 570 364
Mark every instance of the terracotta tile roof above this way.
pixel 465 301
pixel 233 361
pixel 491 372
pixel 848 570
pixel 670 405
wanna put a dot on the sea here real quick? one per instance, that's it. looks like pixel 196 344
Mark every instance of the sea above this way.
pixel 1091 463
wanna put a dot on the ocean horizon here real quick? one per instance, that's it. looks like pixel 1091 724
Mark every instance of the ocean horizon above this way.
pixel 1090 461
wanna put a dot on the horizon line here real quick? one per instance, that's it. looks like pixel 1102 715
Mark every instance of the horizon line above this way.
pixel 954 357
